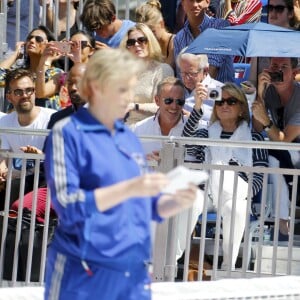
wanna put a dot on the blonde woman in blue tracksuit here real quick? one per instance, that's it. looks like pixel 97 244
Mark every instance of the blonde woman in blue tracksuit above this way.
pixel 102 192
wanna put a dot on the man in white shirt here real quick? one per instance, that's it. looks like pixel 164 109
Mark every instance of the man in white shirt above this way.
pixel 196 79
pixel 20 87
pixel 168 121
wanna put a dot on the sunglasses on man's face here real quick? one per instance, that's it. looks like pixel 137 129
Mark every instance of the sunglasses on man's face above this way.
pixel 169 101
pixel 21 92
pixel 38 39
pixel 140 40
pixel 278 8
pixel 229 101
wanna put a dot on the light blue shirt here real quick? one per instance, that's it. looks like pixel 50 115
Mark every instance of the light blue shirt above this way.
pixel 115 40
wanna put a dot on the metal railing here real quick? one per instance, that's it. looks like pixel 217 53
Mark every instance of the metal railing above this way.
pixel 165 265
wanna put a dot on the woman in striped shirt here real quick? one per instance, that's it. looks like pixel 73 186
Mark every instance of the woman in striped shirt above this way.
pixel 230 120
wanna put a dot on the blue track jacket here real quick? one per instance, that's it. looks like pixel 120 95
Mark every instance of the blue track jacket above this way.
pixel 81 155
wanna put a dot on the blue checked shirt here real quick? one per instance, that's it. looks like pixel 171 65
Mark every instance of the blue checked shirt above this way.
pixel 224 62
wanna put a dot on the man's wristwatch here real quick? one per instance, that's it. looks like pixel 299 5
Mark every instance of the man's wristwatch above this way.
pixel 268 127
pixel 136 106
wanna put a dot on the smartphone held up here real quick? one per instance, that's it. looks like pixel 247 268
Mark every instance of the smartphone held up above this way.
pixel 64 46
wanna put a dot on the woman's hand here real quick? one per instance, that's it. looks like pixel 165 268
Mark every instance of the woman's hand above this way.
pixel 75 54
pixel 154 155
pixel 149 184
pixel 200 95
pixel 19 48
pixel 50 54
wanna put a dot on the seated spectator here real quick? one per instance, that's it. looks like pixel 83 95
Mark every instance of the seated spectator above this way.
pixel 280 13
pixel 87 45
pixel 277 112
pixel 230 120
pixel 21 94
pixel 239 12
pixel 99 17
pixel 196 79
pixel 220 66
pixel 141 42
pixel 150 14
pixel 168 121
pixel 73 79
pixel 46 73
pixel 24 22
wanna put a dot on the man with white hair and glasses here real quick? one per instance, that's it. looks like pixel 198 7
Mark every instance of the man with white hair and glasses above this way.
pixel 196 79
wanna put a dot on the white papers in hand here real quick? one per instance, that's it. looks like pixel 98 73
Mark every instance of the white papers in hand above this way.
pixel 181 176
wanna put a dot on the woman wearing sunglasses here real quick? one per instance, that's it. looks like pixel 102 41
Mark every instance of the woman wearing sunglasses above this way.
pixel 141 42
pixel 230 120
pixel 281 13
pixel 150 14
pixel 86 45
pixel 47 74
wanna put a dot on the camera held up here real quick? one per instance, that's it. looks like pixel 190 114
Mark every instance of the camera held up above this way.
pixel 214 93
pixel 276 76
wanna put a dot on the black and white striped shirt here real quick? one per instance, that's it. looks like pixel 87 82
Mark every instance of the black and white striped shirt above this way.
pixel 259 156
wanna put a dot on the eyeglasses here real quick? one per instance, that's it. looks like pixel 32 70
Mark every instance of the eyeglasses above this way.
pixel 140 40
pixel 189 74
pixel 230 101
pixel 85 44
pixel 278 8
pixel 21 92
pixel 38 38
pixel 169 101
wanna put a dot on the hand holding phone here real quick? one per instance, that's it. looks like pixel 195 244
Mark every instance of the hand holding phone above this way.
pixel 63 46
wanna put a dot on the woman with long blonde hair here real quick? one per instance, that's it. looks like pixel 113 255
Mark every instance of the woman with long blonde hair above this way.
pixel 141 42
pixel 150 14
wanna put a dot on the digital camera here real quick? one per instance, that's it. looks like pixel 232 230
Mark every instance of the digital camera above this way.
pixel 276 76
pixel 214 93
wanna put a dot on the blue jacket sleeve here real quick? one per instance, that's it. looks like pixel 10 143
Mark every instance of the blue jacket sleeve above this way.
pixel 71 203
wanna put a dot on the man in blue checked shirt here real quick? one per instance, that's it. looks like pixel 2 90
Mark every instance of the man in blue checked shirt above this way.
pixel 220 66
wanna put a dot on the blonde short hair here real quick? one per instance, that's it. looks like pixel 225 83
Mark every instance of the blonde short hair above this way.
pixel 108 66
pixel 233 90
pixel 153 45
